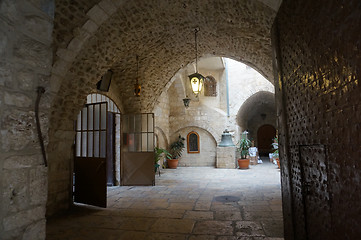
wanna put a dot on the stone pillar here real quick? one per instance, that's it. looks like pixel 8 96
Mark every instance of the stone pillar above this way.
pixel 25 63
pixel 226 157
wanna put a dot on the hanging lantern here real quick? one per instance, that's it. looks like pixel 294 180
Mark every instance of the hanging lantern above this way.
pixel 137 86
pixel 186 101
pixel 196 82
pixel 196 79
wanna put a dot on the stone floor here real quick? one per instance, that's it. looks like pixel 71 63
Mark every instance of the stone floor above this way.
pixel 186 203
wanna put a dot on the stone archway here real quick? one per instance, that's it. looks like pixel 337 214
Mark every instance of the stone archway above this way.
pixel 207 147
pixel 95 36
pixel 317 82
pixel 257 110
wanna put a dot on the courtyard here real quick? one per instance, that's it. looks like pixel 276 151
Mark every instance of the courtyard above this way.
pixel 185 203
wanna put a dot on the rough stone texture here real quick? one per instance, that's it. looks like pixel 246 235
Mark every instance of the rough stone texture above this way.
pixel 25 62
pixel 226 157
pixel 318 96
pixel 161 33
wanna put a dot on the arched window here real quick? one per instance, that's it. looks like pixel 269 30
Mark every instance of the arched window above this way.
pixel 98 98
pixel 193 142
pixel 210 87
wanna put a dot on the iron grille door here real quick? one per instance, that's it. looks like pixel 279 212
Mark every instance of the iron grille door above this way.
pixel 90 164
pixel 138 149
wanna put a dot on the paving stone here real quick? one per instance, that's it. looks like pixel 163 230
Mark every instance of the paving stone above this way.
pixel 142 213
pixel 174 225
pixel 202 237
pixel 248 228
pixel 199 215
pixel 166 236
pixel 214 228
pixel 227 238
pixel 185 206
pixel 131 235
pixel 228 215
pixel 273 228
pixel 261 208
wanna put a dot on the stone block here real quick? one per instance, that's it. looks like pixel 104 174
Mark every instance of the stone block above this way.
pixel 226 157
pixel 214 228
pixel 24 218
pixel 90 26
pixel 174 225
pixel 27 161
pixel 4 44
pixel 35 230
pixel 97 14
pixel 38 185
pixel 66 54
pixel 108 6
pixel 76 43
pixel 199 215
pixel 17 99
pixel 38 28
pixel 32 53
pixel 20 130
pixel 15 193
pixel 60 67
pixel 55 83
pixel 8 10
pixel 5 73
pixel 26 79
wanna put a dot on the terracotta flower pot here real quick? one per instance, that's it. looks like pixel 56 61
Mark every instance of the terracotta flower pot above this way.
pixel 243 163
pixel 172 163
pixel 278 162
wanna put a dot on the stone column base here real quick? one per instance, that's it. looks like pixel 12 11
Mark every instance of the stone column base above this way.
pixel 226 157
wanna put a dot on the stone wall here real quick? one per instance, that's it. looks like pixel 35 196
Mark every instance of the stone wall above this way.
pixel 25 63
pixel 318 94
pixel 210 113
pixel 207 147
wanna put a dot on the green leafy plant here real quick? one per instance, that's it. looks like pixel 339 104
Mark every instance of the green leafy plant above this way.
pixel 275 147
pixel 176 148
pixel 158 153
pixel 243 145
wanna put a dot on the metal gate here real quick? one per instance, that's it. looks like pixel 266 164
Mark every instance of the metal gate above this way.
pixel 137 162
pixel 90 163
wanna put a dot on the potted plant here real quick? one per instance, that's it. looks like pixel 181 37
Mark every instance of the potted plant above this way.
pixel 176 149
pixel 275 152
pixel 158 152
pixel 243 147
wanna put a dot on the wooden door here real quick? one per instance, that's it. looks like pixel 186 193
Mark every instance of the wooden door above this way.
pixel 265 135
pixel 315 192
pixel 138 149
pixel 90 163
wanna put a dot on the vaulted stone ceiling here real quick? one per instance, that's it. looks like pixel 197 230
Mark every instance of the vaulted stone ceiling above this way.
pixel 258 104
pixel 91 36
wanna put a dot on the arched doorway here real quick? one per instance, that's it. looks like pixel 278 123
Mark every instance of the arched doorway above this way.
pixel 265 135
pixel 97 149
